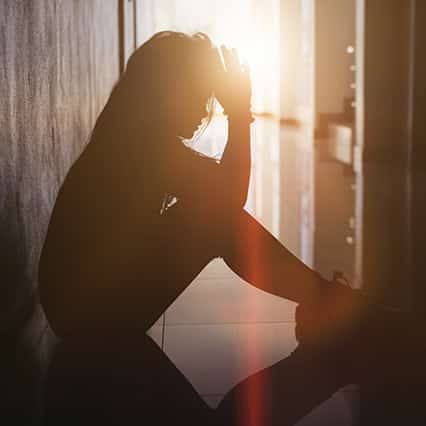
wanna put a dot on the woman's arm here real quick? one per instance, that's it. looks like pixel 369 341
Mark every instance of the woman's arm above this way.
pixel 236 159
pixel 234 93
pixel 203 180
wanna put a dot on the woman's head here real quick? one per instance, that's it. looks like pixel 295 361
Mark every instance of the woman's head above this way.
pixel 169 81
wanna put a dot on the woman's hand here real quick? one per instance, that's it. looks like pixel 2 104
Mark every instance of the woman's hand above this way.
pixel 233 88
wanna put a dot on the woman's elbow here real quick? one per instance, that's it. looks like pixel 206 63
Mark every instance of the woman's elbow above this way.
pixel 233 202
pixel 239 202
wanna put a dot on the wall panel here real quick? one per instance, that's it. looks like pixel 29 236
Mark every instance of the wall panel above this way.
pixel 58 63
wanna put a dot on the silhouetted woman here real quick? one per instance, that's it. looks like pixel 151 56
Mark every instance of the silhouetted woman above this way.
pixel 139 216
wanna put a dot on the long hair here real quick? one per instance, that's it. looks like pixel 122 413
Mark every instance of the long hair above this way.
pixel 153 74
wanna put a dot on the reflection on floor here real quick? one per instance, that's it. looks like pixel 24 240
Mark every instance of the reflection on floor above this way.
pixel 221 329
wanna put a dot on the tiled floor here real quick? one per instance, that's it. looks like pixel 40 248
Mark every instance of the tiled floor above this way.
pixel 221 329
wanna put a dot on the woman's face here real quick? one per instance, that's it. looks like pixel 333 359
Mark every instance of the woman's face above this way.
pixel 191 121
pixel 191 109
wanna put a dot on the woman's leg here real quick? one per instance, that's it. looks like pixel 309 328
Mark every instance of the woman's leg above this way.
pixel 251 251
pixel 180 248
pixel 117 380
pixel 327 308
pixel 281 394
pixel 188 239
pixel 332 317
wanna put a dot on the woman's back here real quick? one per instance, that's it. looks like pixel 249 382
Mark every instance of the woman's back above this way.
pixel 108 245
pixel 106 209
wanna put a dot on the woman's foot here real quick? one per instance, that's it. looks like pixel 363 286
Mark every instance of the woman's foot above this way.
pixel 328 317
pixel 366 342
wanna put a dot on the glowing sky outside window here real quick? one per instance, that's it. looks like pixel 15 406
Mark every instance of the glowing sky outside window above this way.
pixel 250 26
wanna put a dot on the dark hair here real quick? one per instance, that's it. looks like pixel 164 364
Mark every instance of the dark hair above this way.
pixel 153 71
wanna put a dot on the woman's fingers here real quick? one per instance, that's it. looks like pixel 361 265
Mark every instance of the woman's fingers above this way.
pixel 234 89
pixel 227 58
pixel 235 60
pixel 246 67
pixel 231 59
pixel 224 56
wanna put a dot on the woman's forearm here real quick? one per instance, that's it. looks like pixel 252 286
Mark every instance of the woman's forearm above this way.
pixel 236 160
pixel 233 91
pixel 259 258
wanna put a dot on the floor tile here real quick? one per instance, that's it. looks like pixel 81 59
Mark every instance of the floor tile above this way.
pixel 214 358
pixel 156 334
pixel 159 322
pixel 342 409
pixel 220 296
pixel 212 400
pixel 217 268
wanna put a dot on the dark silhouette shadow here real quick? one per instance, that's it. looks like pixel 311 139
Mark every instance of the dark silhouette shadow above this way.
pixel 138 217
pixel 124 379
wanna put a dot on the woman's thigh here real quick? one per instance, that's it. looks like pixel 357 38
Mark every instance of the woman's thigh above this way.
pixel 282 394
pixel 169 258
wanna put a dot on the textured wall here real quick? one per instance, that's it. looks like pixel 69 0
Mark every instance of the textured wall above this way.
pixel 58 63
pixel 418 159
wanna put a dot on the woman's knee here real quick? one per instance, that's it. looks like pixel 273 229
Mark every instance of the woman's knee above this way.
pixel 214 233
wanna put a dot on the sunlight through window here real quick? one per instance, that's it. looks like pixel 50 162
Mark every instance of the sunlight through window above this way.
pixel 248 25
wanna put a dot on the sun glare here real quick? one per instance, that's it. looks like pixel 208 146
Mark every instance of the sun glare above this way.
pixel 256 38
pixel 250 26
